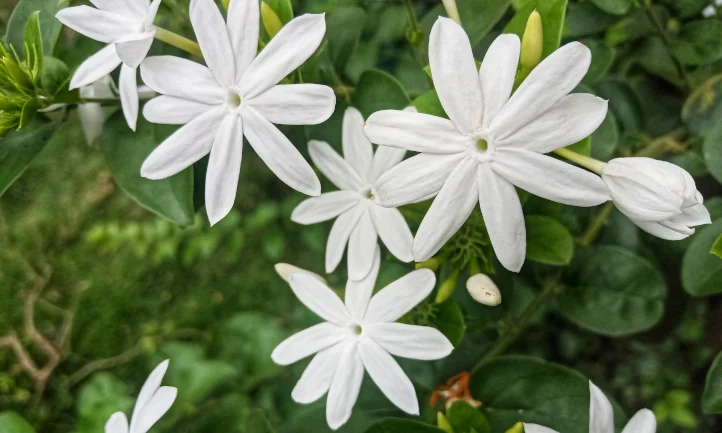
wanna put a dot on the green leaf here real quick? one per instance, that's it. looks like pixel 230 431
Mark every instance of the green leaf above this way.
pixel 478 17
pixel 602 58
pixel 464 418
pixel 283 9
pixel 552 13
pixel 18 149
pixel 376 91
pixel 398 425
pixel 703 108
pixel 11 422
pixel 49 26
pixel 450 321
pixel 103 395
pixel 698 42
pixel 585 19
pixel 623 102
pixel 712 397
pixel 256 422
pixel 612 291
pixel 605 138
pixel 615 7
pixel 34 45
pixel 343 32
pixel 712 151
pixel 635 26
pixel 429 103
pixel 654 57
pixel 548 241
pixel 702 271
pixel 717 247
pixel 28 113
pixel 583 147
pixel 171 198
pixel 54 76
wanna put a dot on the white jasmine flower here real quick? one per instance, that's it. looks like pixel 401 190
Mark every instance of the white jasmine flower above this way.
pixel 659 197
pixel 493 142
pixel 360 335
pixel 93 115
pixel 360 220
pixel 236 95
pixel 284 270
pixel 153 402
pixel 127 27
pixel 601 417
pixel 483 290
pixel 711 10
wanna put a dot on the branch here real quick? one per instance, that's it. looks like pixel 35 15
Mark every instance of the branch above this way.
pixel 26 362
pixel 105 364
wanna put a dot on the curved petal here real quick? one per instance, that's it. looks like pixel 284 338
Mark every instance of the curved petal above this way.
pixel 393 231
pixel 279 154
pixel 158 405
pixel 361 247
pixel 212 35
pixel 664 229
pixel 324 207
pixel 319 298
pixel 536 428
pixel 503 217
pixel 307 342
pixel 345 387
pixel 97 24
pixel 292 46
pixel 150 387
pixel 497 74
pixel 295 104
pixel 133 52
pixel 388 376
pixel 151 13
pixel 693 216
pixel 601 416
pixel 334 167
pixel 385 158
pixel 642 422
pixel 550 178
pixel 316 378
pixel 92 118
pixel 224 168
pixel 96 67
pixel 454 73
pixel 117 423
pixel 449 211
pixel 357 149
pixel 243 30
pixel 128 87
pixel 417 132
pixel 339 236
pixel 182 78
pixel 127 8
pixel 173 111
pixel 358 293
pixel 399 297
pixel 410 341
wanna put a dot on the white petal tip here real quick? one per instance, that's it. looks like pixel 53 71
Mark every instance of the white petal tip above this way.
pixel 483 290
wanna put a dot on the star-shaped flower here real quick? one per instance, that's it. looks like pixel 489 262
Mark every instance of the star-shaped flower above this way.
pixel 360 335
pixel 493 142
pixel 236 95
pixel 360 220
pixel 127 27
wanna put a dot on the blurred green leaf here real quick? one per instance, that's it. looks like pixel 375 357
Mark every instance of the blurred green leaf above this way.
pixel 583 147
pixel 54 76
pixel 585 19
pixel 712 150
pixel 548 241
pixel 712 397
pixel 398 425
pixel 465 419
pixel 376 91
pixel 602 58
pixel 11 422
pixel 605 139
pixel 34 45
pixel 478 17
pixel 256 422
pixel 283 9
pixel 450 321
pixel 635 26
pixel 623 102
pixel 698 42
pixel 99 398
pixel 343 32
pixel 703 108
pixel 702 271
pixel 552 13
pixel 429 103
pixel 717 247
pixel 19 148
pixel 654 57
pixel 49 25
pixel 28 113
pixel 616 7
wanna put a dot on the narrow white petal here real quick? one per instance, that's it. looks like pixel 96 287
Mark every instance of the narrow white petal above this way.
pixel 693 216
pixel 601 416
pixel 224 167
pixel 393 231
pixel 497 74
pixel 116 7
pixel 503 217
pixel 133 52
pixel 212 35
pixel 150 387
pixel 284 270
pixel 295 104
pixel 357 149
pixel 449 211
pixel 550 178
pixel 182 78
pixel 415 179
pixel 243 24
pixel 97 24
pixel 128 87
pixel 358 292
pixel 279 154
pixel 385 158
pixel 388 376
pixel 662 232
pixel 334 167
pixel 454 74
pixel 345 387
pixel 642 422
pixel 361 247
pixel 158 405
pixel 186 146
pixel 316 378
pixel 399 297
pixel 308 342
pixel 173 111
pixel 324 207
pixel 319 298
pixel 339 236
pixel 548 83
pixel 409 341
pixel 292 46
pixel 117 423
pixel 92 118
pixel 536 428
pixel 151 13
pixel 96 67
pixel 417 132
pixel 570 120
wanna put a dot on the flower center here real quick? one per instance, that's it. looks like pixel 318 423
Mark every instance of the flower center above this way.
pixel 233 99
pixel 482 145
pixel 368 193
pixel 356 329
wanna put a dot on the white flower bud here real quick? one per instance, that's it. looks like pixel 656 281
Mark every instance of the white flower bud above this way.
pixel 659 197
pixel 285 271
pixel 483 290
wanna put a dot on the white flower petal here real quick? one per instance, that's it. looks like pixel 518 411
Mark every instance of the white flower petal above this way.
pixel 550 178
pixel 357 149
pixel 642 422
pixel 324 207
pixel 292 46
pixel 92 118
pixel 316 378
pixel 415 179
pixel 388 376
pixel 339 236
pixel 151 13
pixel 449 211
pixel 308 342
pixel 454 73
pixel 548 83
pixel 334 167
pixel 662 232
pixel 497 74
pixel 182 78
pixel 157 407
pixel 212 35
pixel 133 52
pixel 319 298
pixel 173 111
pixel 410 341
pixel 284 270
pixel 693 216
pixel 117 423
pixel 186 146
pixel 393 231
pixel 503 217
pixel 399 297
pixel 279 154
pixel 243 26
pixel 417 132
pixel 345 387
pixel 570 120
pixel 358 293
pixel 127 8
pixel 224 167
pixel 385 158
pixel 361 247
pixel 149 389
pixel 128 87
pixel 96 67
pixel 295 104
pixel 601 415
pixel 97 24
pixel 536 428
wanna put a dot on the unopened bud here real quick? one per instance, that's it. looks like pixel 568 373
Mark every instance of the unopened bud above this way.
pixel 443 423
pixel 451 10
pixel 285 271
pixel 516 428
pixel 271 22
pixel 483 290
pixel 448 286
pixel 532 44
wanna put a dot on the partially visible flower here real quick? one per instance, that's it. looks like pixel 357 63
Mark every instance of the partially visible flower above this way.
pixel 659 197
pixel 127 27
pixel 360 220
pixel 284 270
pixel 601 417
pixel 236 95
pixel 483 290
pixel 360 336
pixel 711 10
pixel 152 403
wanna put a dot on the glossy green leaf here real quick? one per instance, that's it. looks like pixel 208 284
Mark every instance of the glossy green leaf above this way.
pixel 398 425
pixel 34 44
pixel 698 42
pixel 548 241
pixel 11 422
pixel 28 113
pixel 449 320
pixel 702 271
pixel 552 13
pixel 712 397
pixel 616 7
pixel 478 17
pixel 19 148
pixel 429 103
pixel 464 418
pixel 605 138
pixel 49 26
pixel 376 91
pixel 343 32
pixel 55 75
pixel 612 291
pixel 171 198
pixel 717 247
pixel 623 102
pixel 255 421
pixel 602 58
pixel 583 147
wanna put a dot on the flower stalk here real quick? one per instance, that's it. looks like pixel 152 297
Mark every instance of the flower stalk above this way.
pixel 178 41
pixel 587 162
pixel 452 11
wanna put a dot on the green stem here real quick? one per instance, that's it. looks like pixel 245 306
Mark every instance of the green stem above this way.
pixel 178 41
pixel 413 21
pixel 595 226
pixel 589 163
pixel 667 143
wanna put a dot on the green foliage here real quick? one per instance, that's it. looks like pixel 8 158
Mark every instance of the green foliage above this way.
pixel 466 419
pixel 702 271
pixel 449 320
pixel 397 425
pixel 376 91
pixel 19 148
pixel 478 17
pixel 712 398
pixel 45 10
pixel 717 247
pixel 256 422
pixel 11 422
pixel 552 13
pixel 343 32
pixel 616 7
pixel 548 241
pixel 102 396
pixel 698 42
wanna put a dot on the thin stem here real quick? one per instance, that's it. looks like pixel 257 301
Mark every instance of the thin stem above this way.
pixel 413 21
pixel 595 226
pixel 667 143
pixel 589 163
pixel 178 41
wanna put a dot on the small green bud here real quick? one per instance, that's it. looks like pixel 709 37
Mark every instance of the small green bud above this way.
pixel 432 263
pixel 443 423
pixel 532 44
pixel 415 36
pixel 516 428
pixel 271 22
pixel 448 286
